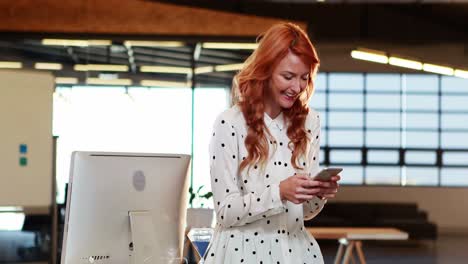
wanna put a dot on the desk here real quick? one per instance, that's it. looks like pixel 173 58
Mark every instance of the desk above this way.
pixel 351 238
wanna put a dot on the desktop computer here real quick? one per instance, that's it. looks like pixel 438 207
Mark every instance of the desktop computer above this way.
pixel 127 208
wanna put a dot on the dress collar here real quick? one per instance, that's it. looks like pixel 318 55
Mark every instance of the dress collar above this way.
pixel 278 122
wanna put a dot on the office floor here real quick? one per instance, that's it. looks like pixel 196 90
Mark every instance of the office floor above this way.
pixel 447 250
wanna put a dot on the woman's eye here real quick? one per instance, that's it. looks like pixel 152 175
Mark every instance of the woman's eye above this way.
pixel 287 77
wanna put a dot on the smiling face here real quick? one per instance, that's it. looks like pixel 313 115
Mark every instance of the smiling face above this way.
pixel 287 82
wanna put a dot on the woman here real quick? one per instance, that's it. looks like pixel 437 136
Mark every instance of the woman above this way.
pixel 262 152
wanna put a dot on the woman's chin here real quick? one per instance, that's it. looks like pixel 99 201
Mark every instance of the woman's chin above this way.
pixel 287 105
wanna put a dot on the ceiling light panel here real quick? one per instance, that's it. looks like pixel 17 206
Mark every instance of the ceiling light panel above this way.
pixel 48 66
pixel 400 62
pixel 225 45
pixel 76 42
pixel 166 69
pixel 369 56
pixel 101 67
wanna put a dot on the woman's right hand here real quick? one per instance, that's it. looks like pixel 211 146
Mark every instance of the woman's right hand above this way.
pixel 299 188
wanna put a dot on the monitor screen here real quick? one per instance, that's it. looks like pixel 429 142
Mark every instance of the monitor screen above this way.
pixel 125 208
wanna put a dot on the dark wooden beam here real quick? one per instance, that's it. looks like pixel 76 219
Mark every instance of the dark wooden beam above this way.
pixel 130 17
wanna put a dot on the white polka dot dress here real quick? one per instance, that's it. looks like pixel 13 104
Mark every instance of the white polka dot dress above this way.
pixel 253 224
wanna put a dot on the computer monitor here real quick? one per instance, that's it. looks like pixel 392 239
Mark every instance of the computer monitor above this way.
pixel 125 208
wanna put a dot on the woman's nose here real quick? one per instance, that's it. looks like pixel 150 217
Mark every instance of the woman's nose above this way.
pixel 297 86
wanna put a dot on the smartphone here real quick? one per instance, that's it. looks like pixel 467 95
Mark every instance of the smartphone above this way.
pixel 327 173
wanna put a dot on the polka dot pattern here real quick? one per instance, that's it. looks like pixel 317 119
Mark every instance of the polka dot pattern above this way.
pixel 253 224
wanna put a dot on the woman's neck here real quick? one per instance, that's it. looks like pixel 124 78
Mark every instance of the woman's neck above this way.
pixel 272 112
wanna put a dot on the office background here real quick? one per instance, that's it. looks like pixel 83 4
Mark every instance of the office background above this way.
pixel 400 134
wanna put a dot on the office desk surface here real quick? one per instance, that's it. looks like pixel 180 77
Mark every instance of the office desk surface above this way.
pixel 350 239
pixel 358 233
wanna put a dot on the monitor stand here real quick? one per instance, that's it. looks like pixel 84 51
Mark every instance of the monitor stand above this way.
pixel 144 242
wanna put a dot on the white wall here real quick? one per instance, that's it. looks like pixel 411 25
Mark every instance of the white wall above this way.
pixel 446 207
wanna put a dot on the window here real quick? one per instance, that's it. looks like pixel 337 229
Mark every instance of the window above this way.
pixel 352 175
pixel 382 102
pixel 383 120
pixel 345 138
pixel 345 156
pixel 345 119
pixel 421 176
pixel 454 177
pixel 208 104
pixel 383 138
pixel 383 156
pixel 383 83
pixel 318 100
pixel 345 101
pixel 420 157
pixel 346 82
pixel 136 119
pixel 396 129
pixel 421 83
pixel 383 175
pixel 459 158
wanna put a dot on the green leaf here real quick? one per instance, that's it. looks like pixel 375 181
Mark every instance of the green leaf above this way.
pixel 207 195
pixel 199 188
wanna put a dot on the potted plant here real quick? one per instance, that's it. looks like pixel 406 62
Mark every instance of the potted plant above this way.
pixel 198 215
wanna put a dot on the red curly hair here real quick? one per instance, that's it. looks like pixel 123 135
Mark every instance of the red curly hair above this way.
pixel 252 82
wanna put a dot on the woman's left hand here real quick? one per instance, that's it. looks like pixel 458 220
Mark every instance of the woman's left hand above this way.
pixel 328 189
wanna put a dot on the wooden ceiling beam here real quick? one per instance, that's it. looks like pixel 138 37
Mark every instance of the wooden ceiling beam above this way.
pixel 130 17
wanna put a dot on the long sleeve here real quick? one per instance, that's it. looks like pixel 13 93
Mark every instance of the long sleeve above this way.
pixel 234 207
pixel 313 207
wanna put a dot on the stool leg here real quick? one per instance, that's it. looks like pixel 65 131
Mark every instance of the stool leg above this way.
pixel 352 258
pixel 349 252
pixel 339 253
pixel 362 259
